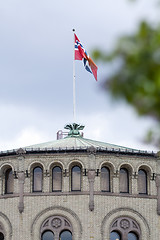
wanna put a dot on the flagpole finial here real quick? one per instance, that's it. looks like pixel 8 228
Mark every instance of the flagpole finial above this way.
pixel 73 30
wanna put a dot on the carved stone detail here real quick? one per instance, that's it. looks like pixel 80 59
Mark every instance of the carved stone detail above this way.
pixel 114 224
pixel 67 223
pixel 56 222
pixel 46 223
pixel 54 208
pixel 124 223
pixel 20 151
pixel 21 207
pixel 91 175
pixel 134 225
pixel 91 150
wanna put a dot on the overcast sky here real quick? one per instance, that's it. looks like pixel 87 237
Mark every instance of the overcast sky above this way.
pixel 36 70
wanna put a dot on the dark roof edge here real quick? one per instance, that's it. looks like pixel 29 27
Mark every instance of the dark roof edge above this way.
pixel 81 149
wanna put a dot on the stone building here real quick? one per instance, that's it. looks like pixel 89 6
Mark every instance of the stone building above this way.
pixel 75 188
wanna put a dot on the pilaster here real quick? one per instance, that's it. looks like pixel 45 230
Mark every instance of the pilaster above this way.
pixel 158 193
pixel 21 179
pixel 134 183
pixel 91 178
pixel 116 182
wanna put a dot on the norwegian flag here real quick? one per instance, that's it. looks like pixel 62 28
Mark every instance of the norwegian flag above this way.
pixel 81 54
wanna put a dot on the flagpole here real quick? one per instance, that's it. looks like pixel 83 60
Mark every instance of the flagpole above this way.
pixel 74 81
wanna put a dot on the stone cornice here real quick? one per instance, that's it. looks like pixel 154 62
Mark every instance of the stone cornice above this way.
pixel 96 151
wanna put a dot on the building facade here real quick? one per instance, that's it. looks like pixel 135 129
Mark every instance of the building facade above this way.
pixel 79 189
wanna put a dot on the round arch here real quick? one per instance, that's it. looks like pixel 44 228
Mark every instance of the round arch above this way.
pixel 56 180
pixel 108 164
pixel 128 213
pixel 128 166
pixel 145 167
pixel 56 211
pixel 7 171
pixel 125 225
pixel 36 164
pixel 56 224
pixel 75 162
pixel 145 182
pixel 6 226
pixel 31 168
pixel 55 164
pixel 5 166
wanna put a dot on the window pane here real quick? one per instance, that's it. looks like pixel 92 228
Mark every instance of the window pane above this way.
pixel 76 179
pixel 115 236
pixel 57 179
pixel 105 179
pixel 142 181
pixel 124 181
pixel 1 236
pixel 66 235
pixel 37 179
pixel 48 235
pixel 132 236
pixel 9 181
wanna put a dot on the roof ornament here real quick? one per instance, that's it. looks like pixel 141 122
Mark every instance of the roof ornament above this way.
pixel 74 129
pixel 20 151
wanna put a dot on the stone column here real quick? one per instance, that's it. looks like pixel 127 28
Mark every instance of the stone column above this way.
pixel 158 194
pixel 56 236
pixel 91 178
pixel 21 179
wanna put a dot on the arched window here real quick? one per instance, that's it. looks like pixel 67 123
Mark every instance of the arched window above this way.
pixel 56 228
pixel 132 236
pixel 9 181
pixel 1 236
pixel 105 179
pixel 124 180
pixel 76 178
pixel 125 228
pixel 37 179
pixel 142 181
pixel 66 235
pixel 56 179
pixel 115 236
pixel 47 235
